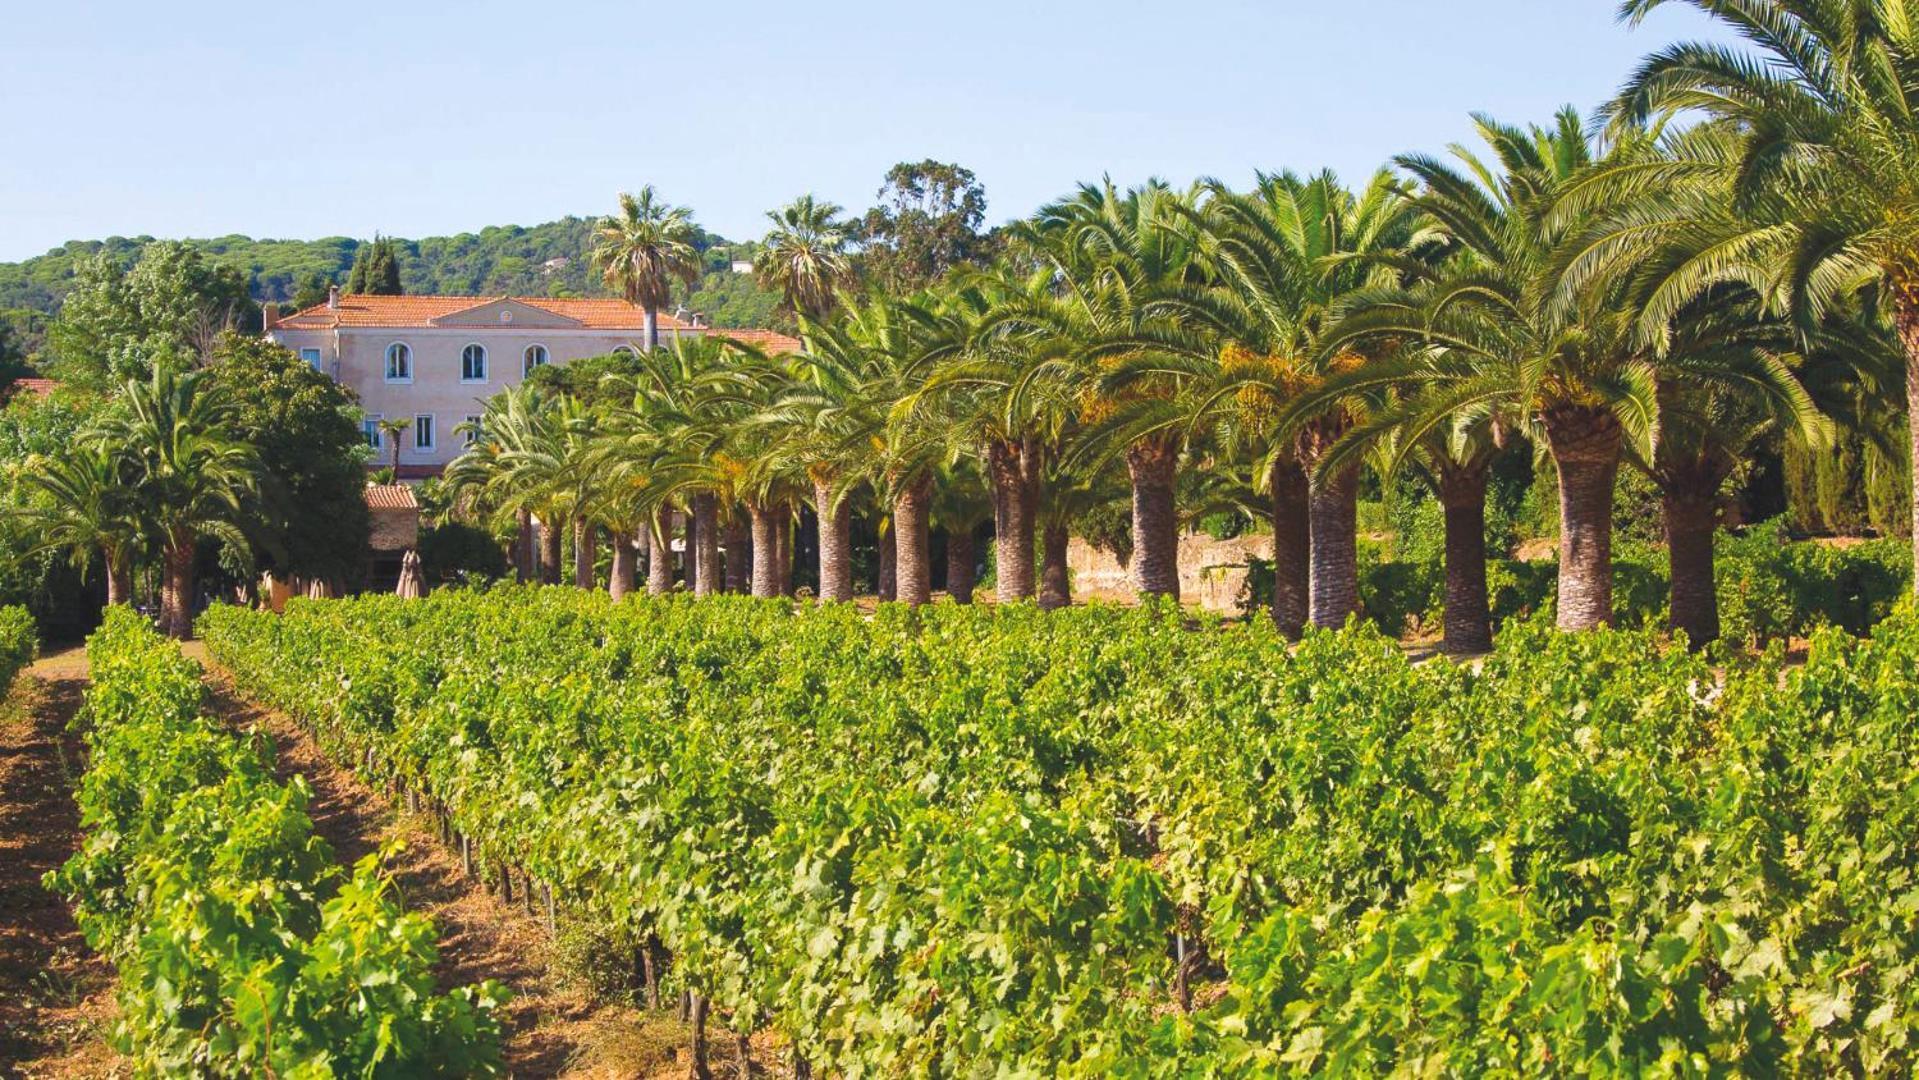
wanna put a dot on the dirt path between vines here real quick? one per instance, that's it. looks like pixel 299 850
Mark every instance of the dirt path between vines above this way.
pixel 553 1029
pixel 56 995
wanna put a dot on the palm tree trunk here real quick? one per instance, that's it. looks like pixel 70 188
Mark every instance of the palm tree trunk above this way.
pixel 739 560
pixel 783 546
pixel 1584 441
pixel 1292 547
pixel 1014 469
pixel 586 552
pixel 836 544
pixel 659 555
pixel 176 600
pixel 1333 527
pixel 888 568
pixel 1153 466
pixel 960 556
pixel 1690 508
pixel 550 552
pixel 523 549
pixel 1906 318
pixel 620 579
pixel 706 536
pixel 119 579
pixel 766 550
pixel 1469 620
pixel 650 319
pixel 1055 581
pixel 913 567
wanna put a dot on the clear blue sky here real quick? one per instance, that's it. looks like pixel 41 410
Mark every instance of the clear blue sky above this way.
pixel 303 120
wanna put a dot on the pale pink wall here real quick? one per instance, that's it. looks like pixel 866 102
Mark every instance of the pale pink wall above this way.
pixel 356 356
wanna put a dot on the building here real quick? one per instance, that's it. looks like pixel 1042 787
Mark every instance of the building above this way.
pixel 432 360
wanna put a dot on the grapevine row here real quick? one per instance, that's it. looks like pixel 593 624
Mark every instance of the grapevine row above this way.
pixel 1102 841
pixel 243 948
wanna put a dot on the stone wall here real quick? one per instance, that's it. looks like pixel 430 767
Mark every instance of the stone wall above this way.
pixel 1212 573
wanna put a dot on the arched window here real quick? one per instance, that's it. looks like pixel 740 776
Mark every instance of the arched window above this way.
pixel 399 362
pixel 625 350
pixel 535 357
pixel 473 363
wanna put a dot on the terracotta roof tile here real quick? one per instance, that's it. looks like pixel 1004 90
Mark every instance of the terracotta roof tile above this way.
pixel 390 497
pixel 421 311
pixel 36 387
pixel 767 341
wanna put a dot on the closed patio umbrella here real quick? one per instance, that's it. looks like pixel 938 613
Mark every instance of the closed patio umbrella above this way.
pixel 412 581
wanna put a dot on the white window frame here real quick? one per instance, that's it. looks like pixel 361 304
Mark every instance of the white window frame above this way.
pixel 474 429
pixel 467 348
pixel 313 358
pixel 386 362
pixel 526 359
pixel 370 430
pixel 630 350
pixel 430 429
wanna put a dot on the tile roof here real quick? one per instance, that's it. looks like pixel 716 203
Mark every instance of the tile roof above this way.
pixel 420 311
pixel 768 341
pixel 36 387
pixel 390 497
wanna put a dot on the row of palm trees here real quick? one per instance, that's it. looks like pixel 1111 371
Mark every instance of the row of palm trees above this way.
pixel 1652 295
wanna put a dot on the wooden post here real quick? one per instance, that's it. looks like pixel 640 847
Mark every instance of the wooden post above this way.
pixel 466 855
pixel 698 1070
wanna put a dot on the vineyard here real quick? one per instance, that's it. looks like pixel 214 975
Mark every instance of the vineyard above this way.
pixel 18 639
pixel 243 948
pixel 952 841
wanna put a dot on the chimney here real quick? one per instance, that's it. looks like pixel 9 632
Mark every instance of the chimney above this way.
pixel 269 314
pixel 333 298
pixel 699 321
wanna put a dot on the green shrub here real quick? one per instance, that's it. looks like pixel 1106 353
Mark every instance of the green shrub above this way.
pixel 452 552
pixel 19 642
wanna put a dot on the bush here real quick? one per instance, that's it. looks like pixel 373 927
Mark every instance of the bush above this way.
pixel 18 644
pixel 452 552
pixel 242 947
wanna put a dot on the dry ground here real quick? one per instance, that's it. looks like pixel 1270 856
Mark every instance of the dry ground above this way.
pixel 56 996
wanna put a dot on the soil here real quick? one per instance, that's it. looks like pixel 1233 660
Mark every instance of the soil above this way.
pixel 56 995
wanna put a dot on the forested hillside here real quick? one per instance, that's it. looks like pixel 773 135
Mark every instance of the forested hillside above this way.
pixel 541 260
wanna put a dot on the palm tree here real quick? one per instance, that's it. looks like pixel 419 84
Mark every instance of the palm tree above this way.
pixel 1292 254
pixel 643 250
pixel 1826 179
pixel 390 429
pixel 88 508
pixel 804 256
pixel 190 472
pixel 1123 264
pixel 1569 360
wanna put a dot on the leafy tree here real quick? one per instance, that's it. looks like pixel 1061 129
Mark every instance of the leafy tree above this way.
pixel 309 516
pixel 376 269
pixel 312 291
pixel 928 222
pixel 120 324
pixel 643 250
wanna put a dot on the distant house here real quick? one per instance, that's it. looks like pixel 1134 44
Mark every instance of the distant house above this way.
pixel 555 265
pixel 434 359
pixel 395 517
pixel 742 266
